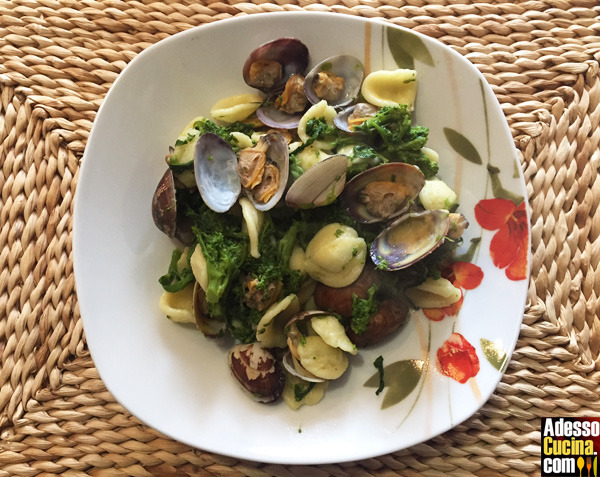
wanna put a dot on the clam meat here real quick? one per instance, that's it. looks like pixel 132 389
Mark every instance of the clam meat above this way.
pixel 409 239
pixel 382 192
pixel 337 80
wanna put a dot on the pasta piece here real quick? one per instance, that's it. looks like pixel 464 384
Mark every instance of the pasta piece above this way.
pixel 199 267
pixel 320 359
pixel 179 306
pixel 298 392
pixel 336 255
pixel 317 111
pixel 434 293
pixel 391 88
pixel 253 220
pixel 235 108
pixel 332 331
pixel 270 329
pixel 436 194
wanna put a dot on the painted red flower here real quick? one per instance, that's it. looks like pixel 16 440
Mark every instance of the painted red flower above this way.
pixel 463 275
pixel 457 358
pixel 509 246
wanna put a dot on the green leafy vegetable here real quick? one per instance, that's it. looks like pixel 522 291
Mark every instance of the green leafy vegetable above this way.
pixel 363 310
pixel 176 278
pixel 301 390
pixel 391 134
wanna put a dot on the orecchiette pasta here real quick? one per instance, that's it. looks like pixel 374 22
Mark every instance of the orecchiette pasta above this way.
pixel 318 111
pixel 391 88
pixel 436 194
pixel 253 220
pixel 432 293
pixel 179 306
pixel 235 108
pixel 270 330
pixel 320 359
pixel 336 255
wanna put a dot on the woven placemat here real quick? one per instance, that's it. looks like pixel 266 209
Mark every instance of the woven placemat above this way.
pixel 58 59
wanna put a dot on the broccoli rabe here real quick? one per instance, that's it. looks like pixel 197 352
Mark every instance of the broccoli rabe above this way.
pixel 178 276
pixel 363 310
pixel 391 134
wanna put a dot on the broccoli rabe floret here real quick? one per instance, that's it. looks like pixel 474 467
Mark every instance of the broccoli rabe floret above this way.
pixel 391 134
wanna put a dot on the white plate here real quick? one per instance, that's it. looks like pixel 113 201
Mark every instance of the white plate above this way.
pixel 174 379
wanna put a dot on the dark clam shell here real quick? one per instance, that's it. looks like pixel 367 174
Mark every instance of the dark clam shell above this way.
pixel 291 53
pixel 164 209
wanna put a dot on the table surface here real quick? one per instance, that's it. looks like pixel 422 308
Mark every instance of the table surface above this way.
pixel 58 58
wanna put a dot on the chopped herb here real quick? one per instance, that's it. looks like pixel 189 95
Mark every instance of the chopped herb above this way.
pixel 339 233
pixel 363 310
pixel 301 390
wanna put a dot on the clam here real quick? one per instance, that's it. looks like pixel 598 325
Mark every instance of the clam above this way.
pixel 409 239
pixel 272 117
pixel 382 192
pixel 164 210
pixel 320 185
pixel 257 371
pixel 215 168
pixel 337 80
pixel 264 170
pixel 270 65
pixel 209 327
pixel 354 115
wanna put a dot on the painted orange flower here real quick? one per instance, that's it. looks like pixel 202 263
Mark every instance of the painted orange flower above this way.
pixel 510 244
pixel 457 358
pixel 463 275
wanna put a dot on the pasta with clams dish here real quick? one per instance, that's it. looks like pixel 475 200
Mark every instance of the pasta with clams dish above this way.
pixel 308 220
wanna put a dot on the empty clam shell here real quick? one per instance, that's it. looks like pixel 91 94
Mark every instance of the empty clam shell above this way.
pixel 215 168
pixel 409 239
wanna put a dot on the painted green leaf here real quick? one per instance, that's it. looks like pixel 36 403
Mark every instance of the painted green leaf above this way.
pixel 462 146
pixel 407 47
pixel 470 253
pixel 494 354
pixel 498 190
pixel 400 379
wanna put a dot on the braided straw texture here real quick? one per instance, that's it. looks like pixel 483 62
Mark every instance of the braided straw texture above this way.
pixel 58 59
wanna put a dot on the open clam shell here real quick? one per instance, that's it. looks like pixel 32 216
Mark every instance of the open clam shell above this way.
pixel 409 239
pixel 215 169
pixel 290 53
pixel 356 114
pixel 272 117
pixel 320 185
pixel 277 153
pixel 348 68
pixel 382 192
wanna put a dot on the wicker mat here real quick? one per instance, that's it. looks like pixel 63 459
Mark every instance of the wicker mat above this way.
pixel 58 58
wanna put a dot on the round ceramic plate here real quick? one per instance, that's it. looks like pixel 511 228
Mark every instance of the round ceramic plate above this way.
pixel 439 370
